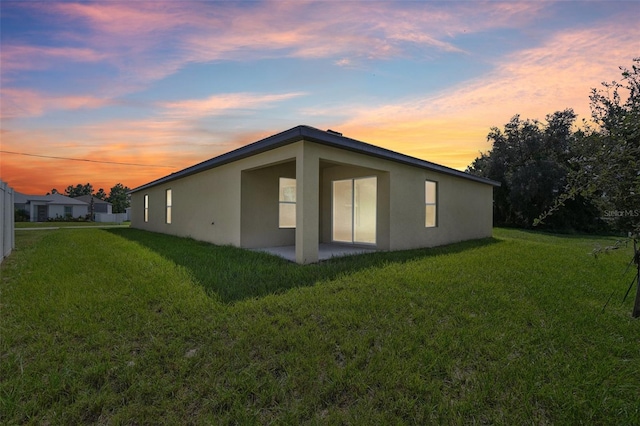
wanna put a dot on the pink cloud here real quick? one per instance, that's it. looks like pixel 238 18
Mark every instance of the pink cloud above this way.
pixel 448 127
pixel 217 104
pixel 202 32
pixel 31 103
pixel 25 57
pixel 124 19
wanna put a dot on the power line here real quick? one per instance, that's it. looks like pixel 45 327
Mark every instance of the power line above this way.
pixel 85 159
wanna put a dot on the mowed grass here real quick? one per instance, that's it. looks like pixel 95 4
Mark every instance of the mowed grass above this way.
pixel 129 327
pixel 55 224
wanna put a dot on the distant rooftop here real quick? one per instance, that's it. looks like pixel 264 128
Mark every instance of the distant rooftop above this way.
pixel 56 199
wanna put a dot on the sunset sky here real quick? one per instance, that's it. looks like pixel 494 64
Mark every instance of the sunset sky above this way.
pixel 163 85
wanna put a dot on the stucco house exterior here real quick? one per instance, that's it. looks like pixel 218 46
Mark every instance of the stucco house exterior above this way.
pixel 40 208
pixel 305 187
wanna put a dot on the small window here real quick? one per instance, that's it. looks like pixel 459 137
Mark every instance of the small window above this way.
pixel 430 201
pixel 168 197
pixel 146 207
pixel 287 201
pixel 68 211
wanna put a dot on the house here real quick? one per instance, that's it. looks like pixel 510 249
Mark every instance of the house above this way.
pixel 99 206
pixel 306 187
pixel 41 208
pixel 102 210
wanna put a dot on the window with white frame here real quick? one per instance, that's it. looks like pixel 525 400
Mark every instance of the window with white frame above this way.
pixel 287 201
pixel 169 202
pixel 430 202
pixel 146 207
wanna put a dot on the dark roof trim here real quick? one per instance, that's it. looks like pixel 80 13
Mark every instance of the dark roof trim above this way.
pixel 313 135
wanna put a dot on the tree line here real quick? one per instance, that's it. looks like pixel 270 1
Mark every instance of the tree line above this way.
pixel 117 196
pixel 562 175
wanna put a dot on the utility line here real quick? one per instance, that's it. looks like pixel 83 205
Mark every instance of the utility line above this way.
pixel 85 159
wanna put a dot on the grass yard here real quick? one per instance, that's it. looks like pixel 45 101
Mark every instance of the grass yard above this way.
pixel 122 326
pixel 56 224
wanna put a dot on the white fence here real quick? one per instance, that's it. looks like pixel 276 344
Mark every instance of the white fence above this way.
pixel 111 217
pixel 7 225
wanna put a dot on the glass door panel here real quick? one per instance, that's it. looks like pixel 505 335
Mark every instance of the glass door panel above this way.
pixel 364 214
pixel 342 211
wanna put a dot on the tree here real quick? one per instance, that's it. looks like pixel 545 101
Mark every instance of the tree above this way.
pixel 53 191
pixel 615 148
pixel 101 194
pixel 606 160
pixel 530 160
pixel 119 198
pixel 79 190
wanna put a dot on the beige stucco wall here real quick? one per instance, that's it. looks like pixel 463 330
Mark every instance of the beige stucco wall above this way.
pixel 260 207
pixel 465 207
pixel 206 206
pixel 237 203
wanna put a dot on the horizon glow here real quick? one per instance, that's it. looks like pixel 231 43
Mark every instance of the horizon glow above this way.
pixel 166 85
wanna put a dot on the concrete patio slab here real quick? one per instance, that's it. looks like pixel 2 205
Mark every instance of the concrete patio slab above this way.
pixel 325 251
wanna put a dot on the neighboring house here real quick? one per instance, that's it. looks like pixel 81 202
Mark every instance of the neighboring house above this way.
pixel 305 186
pixel 41 208
pixel 99 206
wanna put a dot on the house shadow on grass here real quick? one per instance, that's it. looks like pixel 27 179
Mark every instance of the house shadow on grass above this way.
pixel 233 274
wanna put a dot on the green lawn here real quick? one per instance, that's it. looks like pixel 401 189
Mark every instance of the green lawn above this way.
pixel 55 224
pixel 122 326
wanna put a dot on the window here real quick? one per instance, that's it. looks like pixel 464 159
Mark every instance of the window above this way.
pixel 430 200
pixel 168 198
pixel 68 211
pixel 287 201
pixel 146 207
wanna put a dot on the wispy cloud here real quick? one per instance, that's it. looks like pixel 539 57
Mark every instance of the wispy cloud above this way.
pixel 447 126
pixel 31 103
pixel 218 104
pixel 26 57
pixel 158 39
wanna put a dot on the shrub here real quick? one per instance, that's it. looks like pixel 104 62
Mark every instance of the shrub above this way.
pixel 21 215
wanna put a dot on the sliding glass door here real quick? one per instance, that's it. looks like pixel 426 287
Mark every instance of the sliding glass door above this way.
pixel 343 211
pixel 354 210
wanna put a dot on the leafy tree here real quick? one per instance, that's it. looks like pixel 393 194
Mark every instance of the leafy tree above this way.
pixel 78 190
pixel 606 159
pixel 530 160
pixel 119 198
pixel 101 194
pixel 53 191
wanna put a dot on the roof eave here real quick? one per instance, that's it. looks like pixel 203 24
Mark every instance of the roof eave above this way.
pixel 266 144
pixel 313 135
pixel 343 142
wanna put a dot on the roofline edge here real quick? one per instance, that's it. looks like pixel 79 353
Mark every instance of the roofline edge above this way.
pixel 304 132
